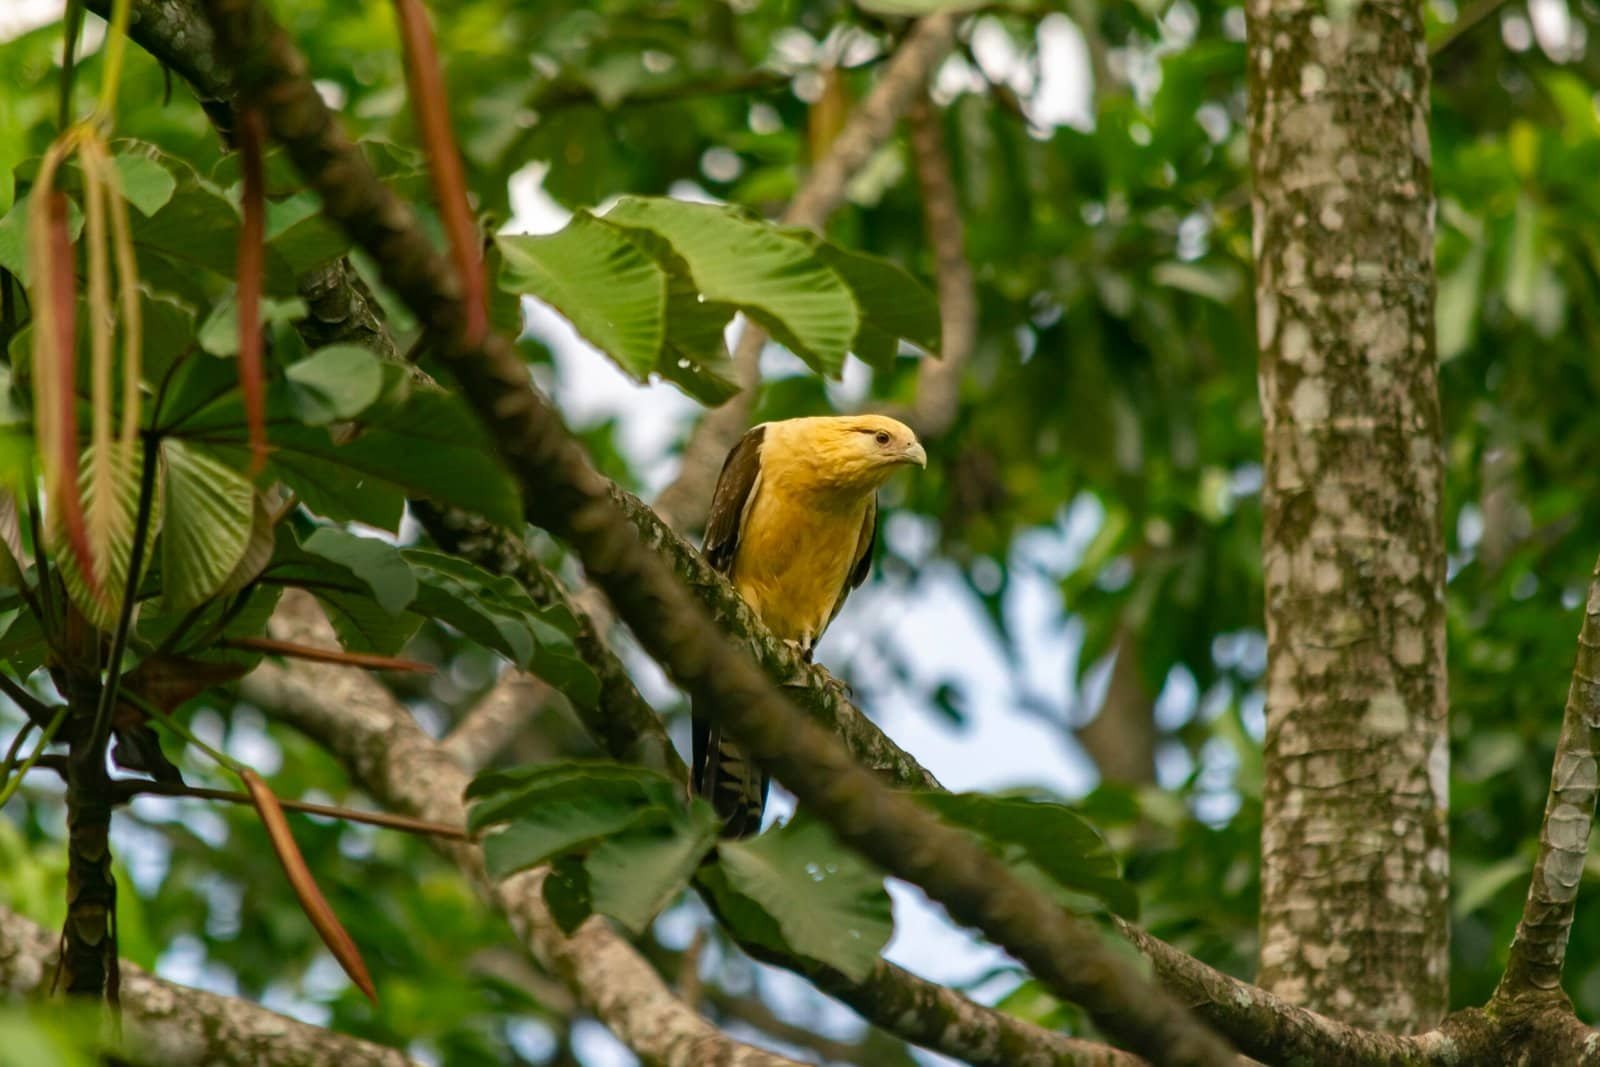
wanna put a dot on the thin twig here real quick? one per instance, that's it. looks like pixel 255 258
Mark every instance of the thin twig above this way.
pixel 129 789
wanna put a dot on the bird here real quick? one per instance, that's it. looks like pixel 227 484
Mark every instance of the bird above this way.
pixel 793 521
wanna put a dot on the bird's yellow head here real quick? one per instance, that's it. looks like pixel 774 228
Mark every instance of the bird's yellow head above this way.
pixel 846 452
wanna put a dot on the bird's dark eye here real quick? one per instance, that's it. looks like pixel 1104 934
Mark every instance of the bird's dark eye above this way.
pixel 882 436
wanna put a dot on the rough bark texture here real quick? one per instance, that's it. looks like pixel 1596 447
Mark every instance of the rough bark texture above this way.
pixel 167 1025
pixel 1540 948
pixel 1354 858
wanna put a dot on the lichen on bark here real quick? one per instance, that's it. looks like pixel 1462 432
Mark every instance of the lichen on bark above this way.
pixel 1354 857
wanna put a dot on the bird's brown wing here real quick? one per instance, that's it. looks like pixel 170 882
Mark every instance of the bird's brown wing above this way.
pixel 736 787
pixel 730 500
pixel 863 564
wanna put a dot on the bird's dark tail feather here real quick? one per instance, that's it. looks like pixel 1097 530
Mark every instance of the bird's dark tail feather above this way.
pixel 734 785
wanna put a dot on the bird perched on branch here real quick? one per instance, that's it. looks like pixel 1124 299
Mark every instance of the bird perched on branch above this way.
pixel 793 520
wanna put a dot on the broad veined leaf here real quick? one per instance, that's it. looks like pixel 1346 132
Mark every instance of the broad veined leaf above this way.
pixel 894 305
pixel 566 893
pixel 209 516
pixel 770 275
pixel 112 564
pixel 563 813
pixel 334 383
pixel 258 547
pixel 22 642
pixel 610 289
pixel 146 183
pixel 502 795
pixel 376 563
pixel 497 613
pixel 350 598
pixel 829 904
pixel 694 353
pixel 219 334
pixel 1048 836
pixel 195 233
pixel 425 444
pixel 633 875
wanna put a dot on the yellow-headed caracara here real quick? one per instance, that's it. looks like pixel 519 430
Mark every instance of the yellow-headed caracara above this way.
pixel 793 520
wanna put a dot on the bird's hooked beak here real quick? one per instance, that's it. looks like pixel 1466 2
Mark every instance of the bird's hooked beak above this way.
pixel 916 454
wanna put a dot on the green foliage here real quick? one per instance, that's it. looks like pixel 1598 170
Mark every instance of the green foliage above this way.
pixel 497 613
pixel 209 515
pixel 797 889
pixel 1114 378
pixel 622 839
pixel 1049 842
pixel 654 282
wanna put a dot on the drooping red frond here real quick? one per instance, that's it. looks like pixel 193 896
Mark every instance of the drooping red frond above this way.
pixel 64 492
pixel 431 106
pixel 251 260
pixel 312 902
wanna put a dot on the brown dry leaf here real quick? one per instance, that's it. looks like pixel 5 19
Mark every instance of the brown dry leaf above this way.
pixel 312 902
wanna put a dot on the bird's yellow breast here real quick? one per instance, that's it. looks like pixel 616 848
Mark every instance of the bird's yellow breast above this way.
pixel 795 555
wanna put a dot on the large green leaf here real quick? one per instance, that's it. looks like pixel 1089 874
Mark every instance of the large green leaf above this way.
pixel 564 814
pixel 351 598
pixel 606 285
pixel 23 646
pixel 376 563
pixel 209 516
pixel 503 795
pixel 894 305
pixel 146 183
pixel 828 903
pixel 772 276
pixel 634 874
pixel 422 443
pixel 694 354
pixel 334 383
pixel 1050 837
pixel 497 613
pixel 219 334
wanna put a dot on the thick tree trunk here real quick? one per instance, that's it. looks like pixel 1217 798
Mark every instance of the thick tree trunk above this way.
pixel 1354 859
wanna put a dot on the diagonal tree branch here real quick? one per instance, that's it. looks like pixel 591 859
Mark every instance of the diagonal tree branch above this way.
pixel 683 503
pixel 168 1025
pixel 389 756
pixel 563 493
pixel 1539 949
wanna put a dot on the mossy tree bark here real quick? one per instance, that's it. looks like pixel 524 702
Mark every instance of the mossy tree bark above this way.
pixel 1354 858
